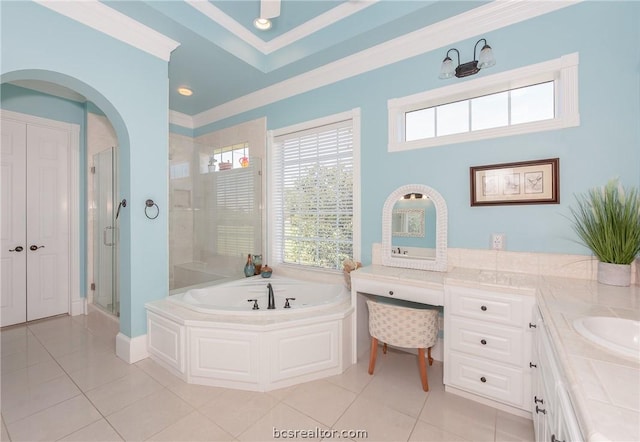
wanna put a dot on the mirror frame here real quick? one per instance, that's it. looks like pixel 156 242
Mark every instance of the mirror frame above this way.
pixel 440 263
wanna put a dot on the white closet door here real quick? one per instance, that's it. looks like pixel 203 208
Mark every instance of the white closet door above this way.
pixel 47 221
pixel 13 267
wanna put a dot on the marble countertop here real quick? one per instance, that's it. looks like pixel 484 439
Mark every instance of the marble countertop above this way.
pixel 604 387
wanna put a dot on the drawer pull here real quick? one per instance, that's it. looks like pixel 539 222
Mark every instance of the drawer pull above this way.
pixel 483 308
pixel 483 379
pixel 532 365
pixel 553 439
pixel 483 342
pixel 537 401
pixel 390 292
pixel 532 325
pixel 540 410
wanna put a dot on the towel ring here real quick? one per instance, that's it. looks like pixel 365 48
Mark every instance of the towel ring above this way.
pixel 151 203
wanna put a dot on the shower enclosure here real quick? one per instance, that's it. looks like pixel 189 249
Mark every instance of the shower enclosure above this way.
pixel 215 213
pixel 105 231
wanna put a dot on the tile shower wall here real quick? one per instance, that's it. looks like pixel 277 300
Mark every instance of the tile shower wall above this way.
pixel 181 249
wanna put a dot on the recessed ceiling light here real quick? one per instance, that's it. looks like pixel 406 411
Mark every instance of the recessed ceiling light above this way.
pixel 262 23
pixel 185 91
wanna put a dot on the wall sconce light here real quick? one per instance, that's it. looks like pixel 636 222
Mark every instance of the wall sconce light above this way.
pixel 485 60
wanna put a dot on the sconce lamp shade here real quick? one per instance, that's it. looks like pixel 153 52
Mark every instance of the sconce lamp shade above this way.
pixel 486 58
pixel 447 69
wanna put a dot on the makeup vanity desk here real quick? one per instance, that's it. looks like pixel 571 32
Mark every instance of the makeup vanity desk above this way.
pixel 487 335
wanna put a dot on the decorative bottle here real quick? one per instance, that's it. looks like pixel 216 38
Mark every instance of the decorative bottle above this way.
pixel 257 262
pixel 249 268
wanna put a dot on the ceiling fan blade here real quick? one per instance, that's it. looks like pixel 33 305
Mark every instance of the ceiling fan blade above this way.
pixel 269 8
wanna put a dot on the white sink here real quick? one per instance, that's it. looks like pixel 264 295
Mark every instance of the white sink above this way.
pixel 618 335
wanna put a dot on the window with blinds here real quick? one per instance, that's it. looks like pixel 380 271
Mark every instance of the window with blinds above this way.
pixel 312 178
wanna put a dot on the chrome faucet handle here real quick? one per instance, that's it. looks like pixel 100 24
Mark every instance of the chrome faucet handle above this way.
pixel 286 302
pixel 255 304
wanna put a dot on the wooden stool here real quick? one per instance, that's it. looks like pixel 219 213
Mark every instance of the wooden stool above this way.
pixel 403 327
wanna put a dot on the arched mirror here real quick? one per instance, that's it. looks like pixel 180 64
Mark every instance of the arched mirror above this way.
pixel 414 229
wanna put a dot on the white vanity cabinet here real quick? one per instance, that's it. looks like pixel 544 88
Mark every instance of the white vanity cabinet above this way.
pixel 488 343
pixel 553 417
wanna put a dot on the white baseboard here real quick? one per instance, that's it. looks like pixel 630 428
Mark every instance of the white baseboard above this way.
pixel 78 306
pixel 131 350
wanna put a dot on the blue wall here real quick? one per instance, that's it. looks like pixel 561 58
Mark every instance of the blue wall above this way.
pixel 131 88
pixel 27 101
pixel 605 145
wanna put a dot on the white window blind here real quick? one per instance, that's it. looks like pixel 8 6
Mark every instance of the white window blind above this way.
pixel 313 196
pixel 233 209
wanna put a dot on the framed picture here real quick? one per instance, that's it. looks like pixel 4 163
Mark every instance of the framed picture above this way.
pixel 526 182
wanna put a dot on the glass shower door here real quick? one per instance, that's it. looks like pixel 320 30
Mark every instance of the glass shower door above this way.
pixel 105 228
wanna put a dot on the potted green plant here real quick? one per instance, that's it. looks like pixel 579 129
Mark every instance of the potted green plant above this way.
pixel 607 221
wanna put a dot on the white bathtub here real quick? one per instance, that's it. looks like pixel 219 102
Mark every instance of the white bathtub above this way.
pixel 233 298
pixel 212 336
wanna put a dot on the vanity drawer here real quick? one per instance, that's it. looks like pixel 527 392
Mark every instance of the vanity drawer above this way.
pixel 508 309
pixel 500 343
pixel 488 379
pixel 398 290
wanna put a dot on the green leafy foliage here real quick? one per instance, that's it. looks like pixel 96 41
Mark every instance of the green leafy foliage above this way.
pixel 318 217
pixel 607 220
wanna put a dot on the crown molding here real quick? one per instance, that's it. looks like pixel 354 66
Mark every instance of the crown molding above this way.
pixel 317 23
pixel 181 119
pixel 104 19
pixel 486 18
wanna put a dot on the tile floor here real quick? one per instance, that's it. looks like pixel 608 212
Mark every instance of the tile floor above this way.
pixel 61 380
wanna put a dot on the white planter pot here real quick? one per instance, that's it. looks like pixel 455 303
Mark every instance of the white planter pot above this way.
pixel 614 274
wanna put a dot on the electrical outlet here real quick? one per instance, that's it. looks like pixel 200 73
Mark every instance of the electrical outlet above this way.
pixel 497 241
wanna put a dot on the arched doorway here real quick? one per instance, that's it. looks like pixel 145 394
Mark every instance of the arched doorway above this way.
pixel 76 211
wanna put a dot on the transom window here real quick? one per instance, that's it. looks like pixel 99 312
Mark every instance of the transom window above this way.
pixel 530 99
pixel 234 154
pixel 514 106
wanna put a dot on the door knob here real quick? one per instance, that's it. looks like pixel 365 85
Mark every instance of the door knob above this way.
pixel 35 247
pixel 17 249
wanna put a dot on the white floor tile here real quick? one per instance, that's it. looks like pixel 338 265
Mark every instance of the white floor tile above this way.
pixel 148 416
pixel 54 422
pixel 195 395
pixel 105 370
pixel 192 428
pixel 424 432
pixel 111 397
pixel 18 403
pixel 156 371
pixel 380 422
pixel 32 375
pixel 33 353
pixel 513 428
pixel 465 418
pixel 321 400
pixel 236 410
pixel 99 431
pixel 355 378
pixel 282 418
pixel 4 435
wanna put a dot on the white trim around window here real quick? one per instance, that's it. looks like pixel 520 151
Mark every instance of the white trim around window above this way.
pixel 562 71
pixel 354 116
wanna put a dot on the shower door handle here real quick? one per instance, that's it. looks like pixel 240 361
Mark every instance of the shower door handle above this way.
pixel 104 236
